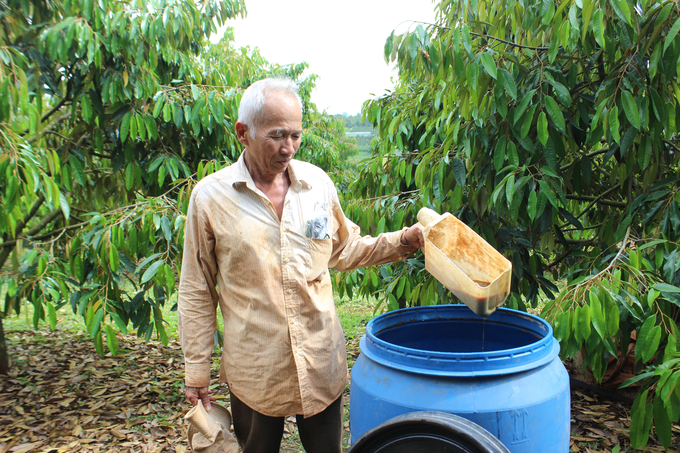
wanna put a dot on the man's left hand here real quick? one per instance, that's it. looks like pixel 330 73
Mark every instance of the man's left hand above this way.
pixel 414 236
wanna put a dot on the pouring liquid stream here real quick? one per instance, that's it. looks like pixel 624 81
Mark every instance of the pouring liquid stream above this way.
pixel 483 331
pixel 483 284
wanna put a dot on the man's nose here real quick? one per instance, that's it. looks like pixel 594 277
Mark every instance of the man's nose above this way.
pixel 288 146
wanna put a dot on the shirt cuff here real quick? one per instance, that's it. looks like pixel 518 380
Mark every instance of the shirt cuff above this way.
pixel 197 375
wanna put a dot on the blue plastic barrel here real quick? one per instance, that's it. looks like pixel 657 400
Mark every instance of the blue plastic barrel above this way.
pixel 502 372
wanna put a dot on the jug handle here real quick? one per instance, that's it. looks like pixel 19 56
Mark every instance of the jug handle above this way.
pixel 427 216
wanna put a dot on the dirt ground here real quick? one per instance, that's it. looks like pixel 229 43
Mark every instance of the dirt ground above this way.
pixel 62 397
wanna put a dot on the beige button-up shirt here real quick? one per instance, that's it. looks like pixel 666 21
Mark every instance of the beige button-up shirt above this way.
pixel 284 349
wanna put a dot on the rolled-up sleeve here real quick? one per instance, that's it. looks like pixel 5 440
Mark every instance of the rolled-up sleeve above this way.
pixel 197 298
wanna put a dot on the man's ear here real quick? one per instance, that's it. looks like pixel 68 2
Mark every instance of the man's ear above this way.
pixel 242 133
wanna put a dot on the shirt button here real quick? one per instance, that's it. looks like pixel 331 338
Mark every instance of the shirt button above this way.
pixel 291 291
pixel 286 260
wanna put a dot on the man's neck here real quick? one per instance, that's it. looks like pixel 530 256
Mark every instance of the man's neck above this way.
pixel 265 181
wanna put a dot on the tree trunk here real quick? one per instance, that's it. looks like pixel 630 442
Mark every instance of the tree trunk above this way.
pixel 4 359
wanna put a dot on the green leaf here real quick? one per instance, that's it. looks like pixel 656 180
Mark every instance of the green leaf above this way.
pixel 555 113
pixel 545 188
pixel 125 126
pixel 584 322
pixel 523 104
pixel 588 6
pixel 531 206
pixel 597 316
pixel 146 260
pixel 459 172
pixel 614 124
pixel 167 113
pixel 465 39
pixel 489 64
pixel 158 107
pixel 510 188
pixel 542 128
pixel 129 176
pixel 622 9
pixel 630 109
pixel 52 315
pixel 119 322
pixel 77 168
pixel 93 327
pixel 178 115
pixel 648 340
pixel 638 433
pixel 111 340
pixel 160 328
pixel 662 425
pixel 598 27
pixel 133 127
pixel 550 154
pixel 499 154
pixel 194 92
pixel 413 46
pixel 165 227
pixel 553 49
pixel 114 258
pixel 612 318
pixel 671 34
pixel 98 345
pixel 508 83
pixel 141 127
pixel 151 127
pixel 666 288
pixel 151 271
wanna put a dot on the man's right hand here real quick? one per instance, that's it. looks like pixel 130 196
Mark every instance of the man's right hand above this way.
pixel 194 394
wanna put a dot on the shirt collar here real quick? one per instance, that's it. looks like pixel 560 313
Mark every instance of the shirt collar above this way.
pixel 297 181
pixel 243 175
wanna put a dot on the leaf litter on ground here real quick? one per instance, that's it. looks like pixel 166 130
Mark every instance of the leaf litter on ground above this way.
pixel 61 396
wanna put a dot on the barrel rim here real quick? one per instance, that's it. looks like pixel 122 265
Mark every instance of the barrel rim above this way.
pixel 479 363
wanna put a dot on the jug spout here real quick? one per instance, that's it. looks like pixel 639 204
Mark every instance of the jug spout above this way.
pixel 427 216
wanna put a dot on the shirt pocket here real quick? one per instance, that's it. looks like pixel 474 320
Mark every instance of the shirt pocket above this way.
pixel 319 253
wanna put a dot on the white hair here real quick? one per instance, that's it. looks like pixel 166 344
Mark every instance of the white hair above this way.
pixel 251 108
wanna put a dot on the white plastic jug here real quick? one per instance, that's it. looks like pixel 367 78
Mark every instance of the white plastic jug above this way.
pixel 464 263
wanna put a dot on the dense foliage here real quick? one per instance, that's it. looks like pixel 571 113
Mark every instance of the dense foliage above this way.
pixel 550 128
pixel 110 113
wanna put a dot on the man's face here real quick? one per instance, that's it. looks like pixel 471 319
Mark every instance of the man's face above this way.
pixel 277 138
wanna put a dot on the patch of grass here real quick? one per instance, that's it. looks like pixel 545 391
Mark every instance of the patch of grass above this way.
pixel 354 314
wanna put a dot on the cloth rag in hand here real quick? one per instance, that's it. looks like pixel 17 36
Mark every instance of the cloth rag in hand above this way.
pixel 209 431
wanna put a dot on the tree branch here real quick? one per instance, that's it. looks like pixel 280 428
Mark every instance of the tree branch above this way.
pixel 616 204
pixel 47 128
pixel 20 228
pixel 605 193
pixel 593 154
pixel 44 222
pixel 52 233
pixel 55 108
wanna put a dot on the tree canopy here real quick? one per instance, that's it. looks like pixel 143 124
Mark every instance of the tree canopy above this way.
pixel 111 112
pixel 550 128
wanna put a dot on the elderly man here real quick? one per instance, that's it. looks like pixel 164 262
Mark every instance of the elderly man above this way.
pixel 265 230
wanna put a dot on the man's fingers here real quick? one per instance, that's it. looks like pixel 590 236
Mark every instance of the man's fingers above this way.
pixel 206 397
pixel 193 395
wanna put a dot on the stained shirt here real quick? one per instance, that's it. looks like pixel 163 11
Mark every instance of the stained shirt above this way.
pixel 284 349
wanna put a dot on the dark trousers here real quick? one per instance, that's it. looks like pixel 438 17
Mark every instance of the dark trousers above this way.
pixel 257 433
